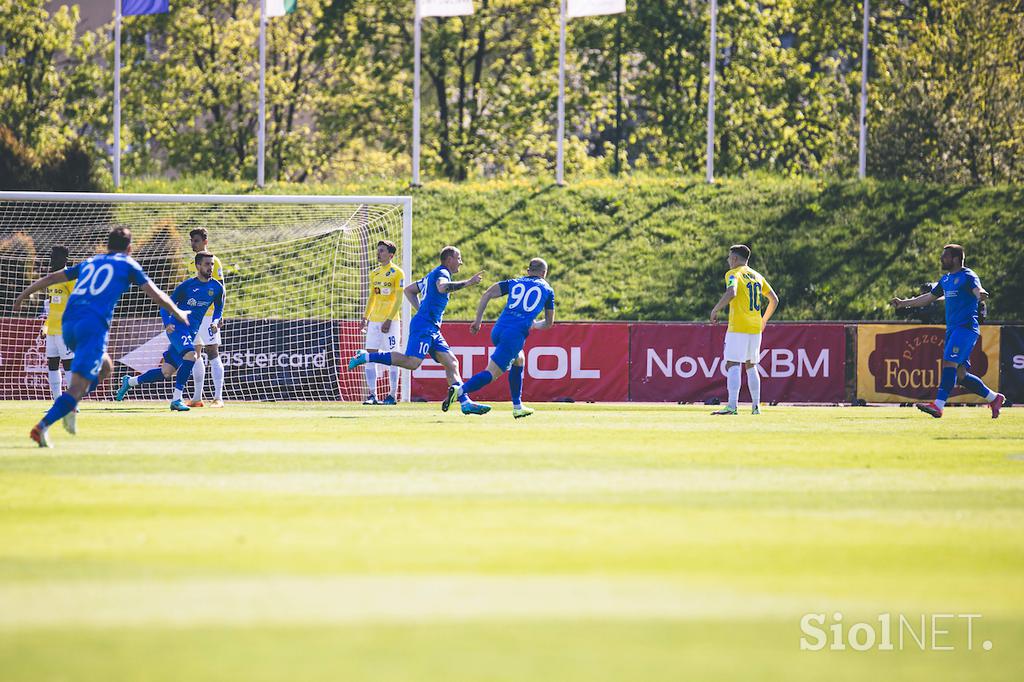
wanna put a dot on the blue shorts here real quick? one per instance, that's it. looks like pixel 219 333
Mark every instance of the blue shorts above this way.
pixel 960 342
pixel 181 343
pixel 87 337
pixel 508 343
pixel 425 340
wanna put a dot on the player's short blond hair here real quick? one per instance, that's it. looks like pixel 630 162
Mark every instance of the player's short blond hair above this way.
pixel 538 265
pixel 447 252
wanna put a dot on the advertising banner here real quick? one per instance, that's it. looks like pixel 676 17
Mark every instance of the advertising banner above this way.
pixel 683 362
pixel 577 361
pixel 1011 363
pixel 23 360
pixel 903 363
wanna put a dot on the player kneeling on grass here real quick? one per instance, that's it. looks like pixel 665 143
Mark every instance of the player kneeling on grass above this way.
pixel 527 296
pixel 86 322
pixel 962 290
pixel 744 288
pixel 195 295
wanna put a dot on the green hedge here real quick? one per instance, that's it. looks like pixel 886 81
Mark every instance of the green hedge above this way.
pixel 653 248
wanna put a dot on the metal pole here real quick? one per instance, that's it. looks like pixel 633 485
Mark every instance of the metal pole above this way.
pixel 417 44
pixel 407 265
pixel 618 92
pixel 560 159
pixel 261 134
pixel 712 64
pixel 863 151
pixel 117 93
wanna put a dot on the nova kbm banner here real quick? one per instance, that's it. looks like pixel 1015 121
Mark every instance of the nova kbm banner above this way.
pixel 578 361
pixel 799 363
pixel 903 363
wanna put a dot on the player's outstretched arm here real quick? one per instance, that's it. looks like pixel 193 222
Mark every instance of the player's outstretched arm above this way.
pixel 449 287
pixel 916 302
pixel 773 303
pixel 39 285
pixel 165 302
pixel 493 291
pixel 548 322
pixel 980 294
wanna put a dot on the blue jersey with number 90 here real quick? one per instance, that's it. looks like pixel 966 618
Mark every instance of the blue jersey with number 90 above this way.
pixel 527 296
pixel 101 281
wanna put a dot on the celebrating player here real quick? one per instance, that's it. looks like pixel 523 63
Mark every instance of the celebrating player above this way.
pixel 101 281
pixel 380 320
pixel 425 327
pixel 963 293
pixel 196 295
pixel 57 352
pixel 207 337
pixel 744 289
pixel 527 296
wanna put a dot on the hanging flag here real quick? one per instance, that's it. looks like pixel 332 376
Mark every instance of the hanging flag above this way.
pixel 279 8
pixel 589 8
pixel 445 8
pixel 135 7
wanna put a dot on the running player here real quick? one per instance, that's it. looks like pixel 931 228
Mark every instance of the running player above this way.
pixel 527 296
pixel 963 292
pixel 86 322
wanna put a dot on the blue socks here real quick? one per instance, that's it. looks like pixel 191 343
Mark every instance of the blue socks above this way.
pixel 151 376
pixel 183 375
pixel 515 385
pixel 477 381
pixel 380 358
pixel 946 384
pixel 63 405
pixel 975 384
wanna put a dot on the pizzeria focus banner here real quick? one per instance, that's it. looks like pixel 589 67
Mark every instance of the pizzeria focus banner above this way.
pixel 683 362
pixel 577 361
pixel 903 363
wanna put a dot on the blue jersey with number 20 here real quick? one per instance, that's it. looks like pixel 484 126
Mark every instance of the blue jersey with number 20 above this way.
pixel 101 281
pixel 527 296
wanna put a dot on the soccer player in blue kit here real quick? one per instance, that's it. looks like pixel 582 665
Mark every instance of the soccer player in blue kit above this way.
pixel 527 296
pixel 195 295
pixel 963 292
pixel 86 322
pixel 425 327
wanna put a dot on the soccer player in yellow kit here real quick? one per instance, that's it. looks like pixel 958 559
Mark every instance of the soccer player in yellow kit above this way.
pixel 57 352
pixel 744 288
pixel 208 337
pixel 381 319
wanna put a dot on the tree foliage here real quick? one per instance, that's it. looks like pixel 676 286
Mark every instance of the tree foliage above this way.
pixel 946 98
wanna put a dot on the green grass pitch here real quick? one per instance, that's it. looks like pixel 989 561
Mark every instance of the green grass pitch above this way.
pixel 586 543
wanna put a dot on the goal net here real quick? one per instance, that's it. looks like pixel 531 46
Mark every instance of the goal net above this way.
pixel 296 273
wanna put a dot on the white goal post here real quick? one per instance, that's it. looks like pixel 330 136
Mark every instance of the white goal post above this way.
pixel 296 272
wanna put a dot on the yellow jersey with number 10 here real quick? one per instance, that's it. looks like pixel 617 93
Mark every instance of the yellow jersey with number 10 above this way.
pixel 58 299
pixel 745 309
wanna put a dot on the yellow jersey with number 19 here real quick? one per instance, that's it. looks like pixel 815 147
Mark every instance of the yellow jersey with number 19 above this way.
pixel 745 309
pixel 58 301
pixel 385 301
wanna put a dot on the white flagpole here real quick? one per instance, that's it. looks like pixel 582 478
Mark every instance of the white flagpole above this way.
pixel 262 133
pixel 560 159
pixel 712 65
pixel 417 20
pixel 863 152
pixel 117 93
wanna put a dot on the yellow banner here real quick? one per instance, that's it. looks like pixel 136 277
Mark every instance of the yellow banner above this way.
pixel 903 363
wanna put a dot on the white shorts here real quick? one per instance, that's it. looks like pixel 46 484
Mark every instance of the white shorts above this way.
pixel 55 347
pixel 204 337
pixel 385 343
pixel 740 347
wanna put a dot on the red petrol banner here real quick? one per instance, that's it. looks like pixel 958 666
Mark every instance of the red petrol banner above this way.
pixel 683 362
pixel 578 361
pixel 903 363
